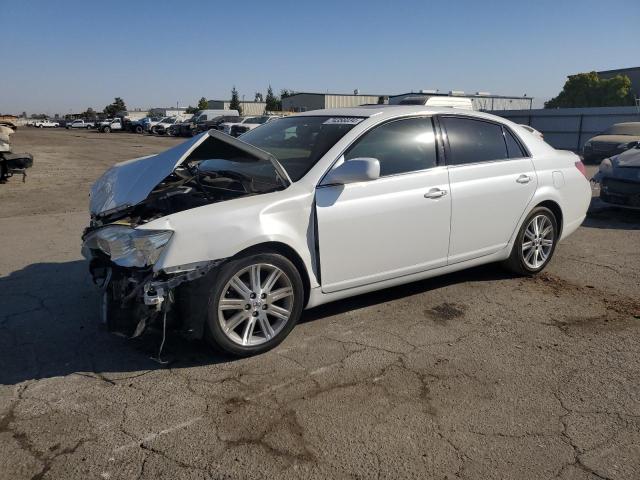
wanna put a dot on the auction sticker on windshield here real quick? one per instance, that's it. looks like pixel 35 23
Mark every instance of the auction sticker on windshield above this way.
pixel 343 121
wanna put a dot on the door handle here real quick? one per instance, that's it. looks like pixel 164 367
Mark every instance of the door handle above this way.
pixel 523 179
pixel 435 193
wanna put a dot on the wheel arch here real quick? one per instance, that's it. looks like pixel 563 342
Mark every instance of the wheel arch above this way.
pixel 286 251
pixel 557 211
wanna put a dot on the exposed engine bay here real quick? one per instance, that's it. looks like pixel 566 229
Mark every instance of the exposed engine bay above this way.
pixel 188 187
pixel 218 169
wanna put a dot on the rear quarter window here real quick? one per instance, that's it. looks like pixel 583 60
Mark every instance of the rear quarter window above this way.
pixel 513 147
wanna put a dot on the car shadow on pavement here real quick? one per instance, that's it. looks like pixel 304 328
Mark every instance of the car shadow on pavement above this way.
pixel 483 273
pixel 601 215
pixel 49 325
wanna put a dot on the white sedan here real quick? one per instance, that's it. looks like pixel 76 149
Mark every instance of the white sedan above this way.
pixel 230 239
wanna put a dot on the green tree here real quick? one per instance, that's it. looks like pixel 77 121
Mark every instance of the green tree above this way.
pixel 191 109
pixel 203 103
pixel 589 90
pixel 271 101
pixel 235 101
pixel 89 113
pixel 258 97
pixel 117 106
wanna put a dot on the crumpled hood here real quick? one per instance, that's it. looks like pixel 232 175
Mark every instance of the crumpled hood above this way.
pixel 128 183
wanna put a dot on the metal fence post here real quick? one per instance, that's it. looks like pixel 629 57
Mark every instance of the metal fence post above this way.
pixel 579 132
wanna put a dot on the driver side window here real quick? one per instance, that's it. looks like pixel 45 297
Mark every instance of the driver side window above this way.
pixel 401 146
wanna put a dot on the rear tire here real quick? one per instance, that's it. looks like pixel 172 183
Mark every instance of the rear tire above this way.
pixel 106 130
pixel 535 243
pixel 254 304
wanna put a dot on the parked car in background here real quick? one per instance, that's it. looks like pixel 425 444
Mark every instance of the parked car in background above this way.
pixel 162 127
pixel 213 119
pixel 109 126
pixel 619 179
pixel 144 124
pixel 80 124
pixel 249 124
pixel 230 240
pixel 202 122
pixel 252 122
pixel 47 124
pixel 615 139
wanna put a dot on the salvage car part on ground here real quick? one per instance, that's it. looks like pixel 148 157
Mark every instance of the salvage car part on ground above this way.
pixel 12 163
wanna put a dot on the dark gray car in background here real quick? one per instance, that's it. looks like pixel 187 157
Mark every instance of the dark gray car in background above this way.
pixel 619 179
pixel 614 140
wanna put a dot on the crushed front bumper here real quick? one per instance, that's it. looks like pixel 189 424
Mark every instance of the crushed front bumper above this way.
pixel 135 298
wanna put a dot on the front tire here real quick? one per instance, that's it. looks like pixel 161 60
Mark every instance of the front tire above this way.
pixel 254 304
pixel 535 243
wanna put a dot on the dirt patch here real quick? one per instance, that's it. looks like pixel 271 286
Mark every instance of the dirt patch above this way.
pixel 445 312
pixel 613 303
pixel 620 311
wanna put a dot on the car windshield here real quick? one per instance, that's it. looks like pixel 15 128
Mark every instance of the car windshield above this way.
pixel 299 142
pixel 167 120
pixel 215 159
pixel 631 128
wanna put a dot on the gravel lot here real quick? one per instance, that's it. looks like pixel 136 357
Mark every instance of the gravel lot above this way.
pixel 475 375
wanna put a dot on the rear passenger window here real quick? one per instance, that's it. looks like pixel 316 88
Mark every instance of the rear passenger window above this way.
pixel 513 147
pixel 472 141
pixel 400 146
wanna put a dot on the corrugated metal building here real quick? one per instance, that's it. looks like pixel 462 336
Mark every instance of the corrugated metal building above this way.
pixel 480 100
pixel 248 108
pixel 306 101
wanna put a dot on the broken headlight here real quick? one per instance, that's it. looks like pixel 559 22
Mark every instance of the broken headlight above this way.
pixel 129 247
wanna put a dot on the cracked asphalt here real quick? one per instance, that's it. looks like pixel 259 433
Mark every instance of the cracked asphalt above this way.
pixel 475 375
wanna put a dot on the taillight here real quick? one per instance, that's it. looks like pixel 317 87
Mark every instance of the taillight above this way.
pixel 583 170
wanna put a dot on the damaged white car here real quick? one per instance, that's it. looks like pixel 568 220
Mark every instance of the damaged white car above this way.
pixel 230 239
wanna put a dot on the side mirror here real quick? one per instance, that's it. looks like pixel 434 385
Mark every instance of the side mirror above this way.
pixel 352 171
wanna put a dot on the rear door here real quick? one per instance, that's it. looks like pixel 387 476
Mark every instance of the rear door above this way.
pixel 492 181
pixel 395 225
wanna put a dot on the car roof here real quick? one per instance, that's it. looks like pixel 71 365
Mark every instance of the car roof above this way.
pixel 391 111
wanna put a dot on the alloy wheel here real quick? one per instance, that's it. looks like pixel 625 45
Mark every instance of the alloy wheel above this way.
pixel 255 304
pixel 537 241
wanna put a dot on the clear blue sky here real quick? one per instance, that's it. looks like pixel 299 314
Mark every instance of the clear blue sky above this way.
pixel 59 56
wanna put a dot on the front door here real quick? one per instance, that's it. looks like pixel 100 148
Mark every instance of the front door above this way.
pixel 395 225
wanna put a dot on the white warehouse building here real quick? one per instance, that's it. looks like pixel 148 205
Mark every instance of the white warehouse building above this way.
pixel 481 101
pixel 306 101
pixel 248 107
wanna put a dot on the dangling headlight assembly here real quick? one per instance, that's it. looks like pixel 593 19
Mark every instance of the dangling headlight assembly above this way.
pixel 605 165
pixel 128 247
